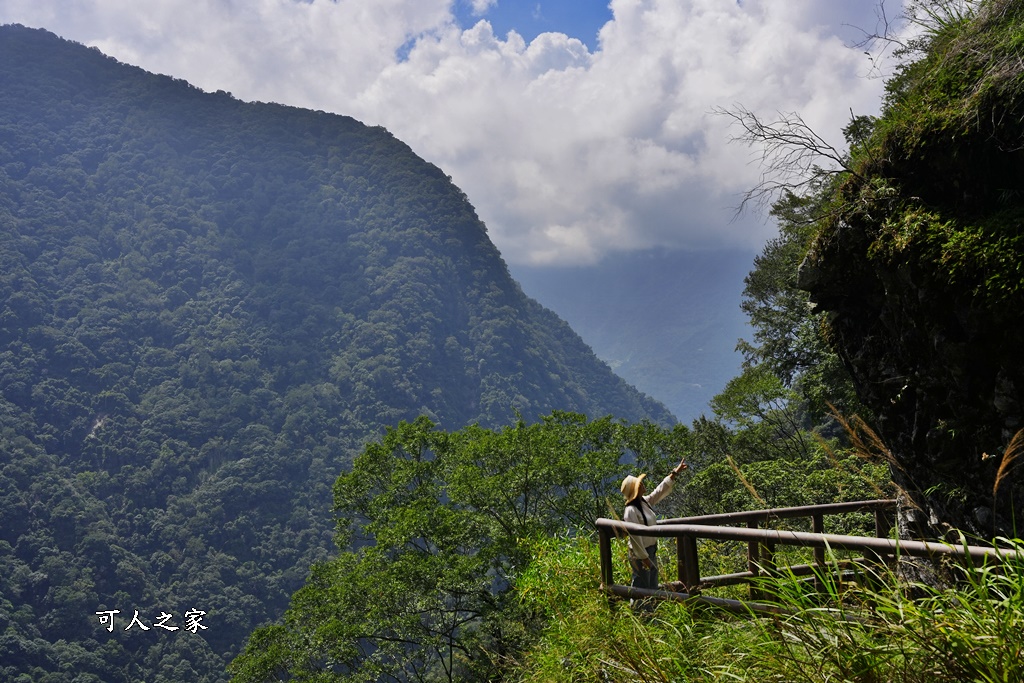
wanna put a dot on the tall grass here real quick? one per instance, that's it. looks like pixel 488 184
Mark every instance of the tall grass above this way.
pixel 870 631
pixel 590 637
pixel 859 628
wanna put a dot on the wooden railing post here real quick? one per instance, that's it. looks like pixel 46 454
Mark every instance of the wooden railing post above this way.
pixel 882 528
pixel 689 567
pixel 818 527
pixel 882 524
pixel 753 560
pixel 604 541
pixel 680 561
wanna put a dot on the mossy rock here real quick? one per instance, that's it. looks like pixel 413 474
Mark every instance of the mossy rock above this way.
pixel 921 266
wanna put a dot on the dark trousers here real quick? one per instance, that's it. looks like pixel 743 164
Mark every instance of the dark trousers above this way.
pixel 645 578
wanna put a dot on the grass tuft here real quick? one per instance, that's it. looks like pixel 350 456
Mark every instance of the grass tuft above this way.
pixel 1012 452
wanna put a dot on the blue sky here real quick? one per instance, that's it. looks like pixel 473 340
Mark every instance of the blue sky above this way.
pixel 580 19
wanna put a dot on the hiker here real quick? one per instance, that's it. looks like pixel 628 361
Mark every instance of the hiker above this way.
pixel 643 549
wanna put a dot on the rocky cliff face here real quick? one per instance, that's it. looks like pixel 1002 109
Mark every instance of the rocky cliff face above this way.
pixel 921 267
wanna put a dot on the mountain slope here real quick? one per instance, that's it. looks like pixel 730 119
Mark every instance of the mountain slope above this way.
pixel 206 307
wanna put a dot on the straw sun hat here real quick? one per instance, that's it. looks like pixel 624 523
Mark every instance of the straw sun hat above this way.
pixel 631 487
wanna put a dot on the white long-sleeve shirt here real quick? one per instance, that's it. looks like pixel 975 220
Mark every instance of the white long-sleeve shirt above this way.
pixel 644 514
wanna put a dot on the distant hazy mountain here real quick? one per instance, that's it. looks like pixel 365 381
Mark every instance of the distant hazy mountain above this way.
pixel 666 321
pixel 206 307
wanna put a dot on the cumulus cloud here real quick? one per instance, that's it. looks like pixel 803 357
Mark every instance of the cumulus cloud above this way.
pixel 480 7
pixel 568 154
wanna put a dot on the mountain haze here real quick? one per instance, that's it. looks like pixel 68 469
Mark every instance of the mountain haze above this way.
pixel 206 308
pixel 667 321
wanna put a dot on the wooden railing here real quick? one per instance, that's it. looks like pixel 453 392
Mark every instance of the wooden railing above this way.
pixel 762 544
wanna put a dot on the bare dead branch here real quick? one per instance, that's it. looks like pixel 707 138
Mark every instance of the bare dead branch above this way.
pixel 793 157
pixel 885 39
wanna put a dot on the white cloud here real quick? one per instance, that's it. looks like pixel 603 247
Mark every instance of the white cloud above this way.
pixel 480 7
pixel 567 154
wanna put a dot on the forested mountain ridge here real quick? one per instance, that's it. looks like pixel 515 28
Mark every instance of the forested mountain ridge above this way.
pixel 206 307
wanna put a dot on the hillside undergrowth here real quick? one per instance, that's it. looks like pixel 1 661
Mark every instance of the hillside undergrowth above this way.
pixel 864 631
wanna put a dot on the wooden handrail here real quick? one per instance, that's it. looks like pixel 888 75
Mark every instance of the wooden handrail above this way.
pixel 805 539
pixel 747 516
pixel 761 542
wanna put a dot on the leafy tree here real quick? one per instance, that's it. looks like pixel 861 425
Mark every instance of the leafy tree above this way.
pixel 442 523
